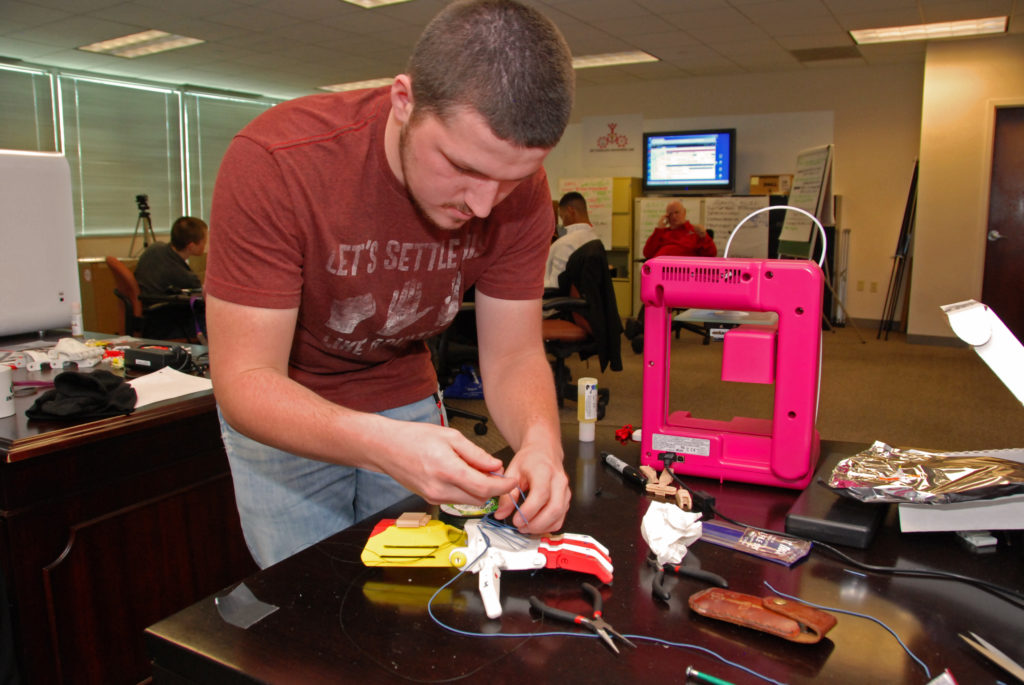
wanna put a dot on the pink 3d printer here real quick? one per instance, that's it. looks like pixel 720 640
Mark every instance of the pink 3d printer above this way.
pixel 782 451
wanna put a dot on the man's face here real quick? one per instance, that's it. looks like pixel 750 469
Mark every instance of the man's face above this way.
pixel 676 214
pixel 457 168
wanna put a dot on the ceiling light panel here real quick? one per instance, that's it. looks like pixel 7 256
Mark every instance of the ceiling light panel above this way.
pixel 139 44
pixel 612 59
pixel 357 85
pixel 370 4
pixel 938 30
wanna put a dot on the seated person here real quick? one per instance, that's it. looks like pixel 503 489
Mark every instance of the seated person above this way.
pixel 674 235
pixel 572 210
pixel 163 267
pixel 163 270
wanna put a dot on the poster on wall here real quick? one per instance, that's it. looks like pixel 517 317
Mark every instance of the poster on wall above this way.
pixel 613 140
pixel 597 192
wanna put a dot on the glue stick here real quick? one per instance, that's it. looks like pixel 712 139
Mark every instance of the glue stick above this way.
pixel 76 320
pixel 586 407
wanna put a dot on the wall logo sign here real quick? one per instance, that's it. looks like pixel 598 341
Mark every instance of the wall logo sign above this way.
pixel 612 138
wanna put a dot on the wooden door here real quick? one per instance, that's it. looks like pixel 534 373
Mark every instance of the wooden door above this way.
pixel 1003 287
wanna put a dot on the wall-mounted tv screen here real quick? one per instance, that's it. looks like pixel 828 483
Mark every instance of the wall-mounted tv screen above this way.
pixel 690 161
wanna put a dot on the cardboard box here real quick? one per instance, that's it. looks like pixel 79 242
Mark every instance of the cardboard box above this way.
pixel 771 184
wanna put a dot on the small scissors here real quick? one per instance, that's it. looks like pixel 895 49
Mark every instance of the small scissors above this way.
pixel 594 623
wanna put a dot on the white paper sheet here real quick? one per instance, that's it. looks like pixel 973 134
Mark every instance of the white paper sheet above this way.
pixel 166 384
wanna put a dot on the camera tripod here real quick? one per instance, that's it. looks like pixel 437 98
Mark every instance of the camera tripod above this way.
pixel 145 223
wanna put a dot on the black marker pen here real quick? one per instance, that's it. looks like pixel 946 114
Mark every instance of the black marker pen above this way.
pixel 630 473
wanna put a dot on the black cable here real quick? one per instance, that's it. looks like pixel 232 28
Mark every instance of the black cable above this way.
pixel 1006 594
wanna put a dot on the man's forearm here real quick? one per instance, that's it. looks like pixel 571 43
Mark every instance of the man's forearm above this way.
pixel 275 410
pixel 520 395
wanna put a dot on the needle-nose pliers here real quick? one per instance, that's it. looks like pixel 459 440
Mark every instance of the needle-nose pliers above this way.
pixel 595 622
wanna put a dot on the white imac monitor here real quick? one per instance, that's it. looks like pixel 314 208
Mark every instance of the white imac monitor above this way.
pixel 38 258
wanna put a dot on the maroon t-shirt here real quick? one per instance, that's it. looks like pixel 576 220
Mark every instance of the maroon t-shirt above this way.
pixel 307 213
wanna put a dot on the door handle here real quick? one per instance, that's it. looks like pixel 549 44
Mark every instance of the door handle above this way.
pixel 994 235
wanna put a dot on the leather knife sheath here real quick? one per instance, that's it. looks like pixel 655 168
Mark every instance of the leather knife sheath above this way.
pixel 772 614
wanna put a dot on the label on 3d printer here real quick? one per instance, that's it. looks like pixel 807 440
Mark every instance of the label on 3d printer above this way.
pixel 680 445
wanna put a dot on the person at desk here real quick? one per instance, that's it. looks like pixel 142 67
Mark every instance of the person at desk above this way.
pixel 572 211
pixel 163 270
pixel 348 227
pixel 676 236
pixel 163 267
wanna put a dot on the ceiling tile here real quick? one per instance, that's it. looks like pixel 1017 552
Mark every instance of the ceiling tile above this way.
pixel 77 30
pixel 292 46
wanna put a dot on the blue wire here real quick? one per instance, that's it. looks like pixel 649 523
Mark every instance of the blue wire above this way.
pixel 497 526
pixel 927 673
pixel 698 648
pixel 525 520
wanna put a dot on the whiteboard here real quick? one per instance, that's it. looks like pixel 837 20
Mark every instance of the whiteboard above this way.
pixel 38 257
pixel 723 214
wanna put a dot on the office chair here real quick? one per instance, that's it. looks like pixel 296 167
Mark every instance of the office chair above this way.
pixel 586 321
pixel 152 319
pixel 126 289
pixel 450 351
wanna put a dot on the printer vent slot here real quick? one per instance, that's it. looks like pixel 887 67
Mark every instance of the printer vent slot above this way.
pixel 689 274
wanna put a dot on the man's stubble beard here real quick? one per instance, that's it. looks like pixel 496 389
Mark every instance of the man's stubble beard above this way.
pixel 403 152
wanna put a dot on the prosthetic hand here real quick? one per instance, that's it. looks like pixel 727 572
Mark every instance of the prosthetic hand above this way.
pixel 485 547
pixel 492 547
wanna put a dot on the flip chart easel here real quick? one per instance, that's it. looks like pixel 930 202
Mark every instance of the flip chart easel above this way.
pixel 812 192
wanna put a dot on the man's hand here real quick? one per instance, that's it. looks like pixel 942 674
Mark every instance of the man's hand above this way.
pixel 543 480
pixel 440 464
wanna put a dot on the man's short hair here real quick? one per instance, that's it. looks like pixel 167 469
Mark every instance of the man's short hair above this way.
pixel 575 200
pixel 502 59
pixel 185 230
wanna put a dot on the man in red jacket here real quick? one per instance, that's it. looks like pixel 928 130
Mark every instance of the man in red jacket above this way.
pixel 673 236
pixel 676 236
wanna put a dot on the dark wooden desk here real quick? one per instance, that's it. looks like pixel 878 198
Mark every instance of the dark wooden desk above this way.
pixel 107 526
pixel 339 621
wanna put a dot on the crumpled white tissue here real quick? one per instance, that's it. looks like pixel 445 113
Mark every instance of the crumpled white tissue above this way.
pixel 669 530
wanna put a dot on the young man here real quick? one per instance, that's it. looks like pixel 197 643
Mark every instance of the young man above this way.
pixel 572 210
pixel 163 267
pixel 348 227
pixel 163 270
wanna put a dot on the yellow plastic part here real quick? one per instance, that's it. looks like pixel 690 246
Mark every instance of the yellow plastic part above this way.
pixel 427 545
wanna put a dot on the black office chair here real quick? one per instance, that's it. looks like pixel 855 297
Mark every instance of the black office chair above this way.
pixel 586 321
pixel 450 351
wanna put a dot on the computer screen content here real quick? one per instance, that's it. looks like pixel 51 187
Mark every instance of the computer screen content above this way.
pixel 690 161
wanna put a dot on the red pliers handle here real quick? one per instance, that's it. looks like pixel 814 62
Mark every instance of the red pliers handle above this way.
pixel 595 622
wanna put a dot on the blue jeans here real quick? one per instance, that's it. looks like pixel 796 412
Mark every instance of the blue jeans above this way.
pixel 287 503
